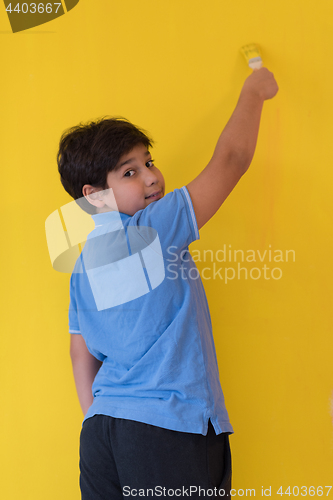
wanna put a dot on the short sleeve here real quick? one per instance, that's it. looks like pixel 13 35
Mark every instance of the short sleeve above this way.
pixel 172 217
pixel 72 312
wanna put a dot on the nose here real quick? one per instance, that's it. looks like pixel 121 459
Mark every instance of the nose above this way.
pixel 150 177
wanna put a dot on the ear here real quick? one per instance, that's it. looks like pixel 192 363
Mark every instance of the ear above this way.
pixel 93 195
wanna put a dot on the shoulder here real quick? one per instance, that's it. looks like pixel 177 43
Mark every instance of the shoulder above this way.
pixel 172 215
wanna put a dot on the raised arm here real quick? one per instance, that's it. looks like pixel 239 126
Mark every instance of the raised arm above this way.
pixel 85 368
pixel 235 148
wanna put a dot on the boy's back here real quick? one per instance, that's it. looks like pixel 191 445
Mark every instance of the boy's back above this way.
pixel 159 362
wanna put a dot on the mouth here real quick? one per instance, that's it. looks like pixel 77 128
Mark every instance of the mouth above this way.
pixel 154 196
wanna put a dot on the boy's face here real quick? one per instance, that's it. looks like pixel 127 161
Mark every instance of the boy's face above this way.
pixel 134 183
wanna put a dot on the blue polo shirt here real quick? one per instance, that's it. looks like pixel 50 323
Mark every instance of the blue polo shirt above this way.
pixel 137 299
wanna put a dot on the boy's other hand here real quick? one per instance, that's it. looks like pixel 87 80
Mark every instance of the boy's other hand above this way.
pixel 262 83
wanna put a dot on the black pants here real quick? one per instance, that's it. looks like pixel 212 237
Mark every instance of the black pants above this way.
pixel 125 459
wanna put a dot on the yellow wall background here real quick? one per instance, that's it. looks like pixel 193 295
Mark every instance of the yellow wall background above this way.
pixel 175 68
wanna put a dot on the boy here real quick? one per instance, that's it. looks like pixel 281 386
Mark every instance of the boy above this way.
pixel 143 359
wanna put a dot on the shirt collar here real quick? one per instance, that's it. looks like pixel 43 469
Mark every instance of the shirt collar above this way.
pixel 113 220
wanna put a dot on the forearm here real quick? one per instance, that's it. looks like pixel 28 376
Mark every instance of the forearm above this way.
pixel 85 367
pixel 231 158
pixel 238 140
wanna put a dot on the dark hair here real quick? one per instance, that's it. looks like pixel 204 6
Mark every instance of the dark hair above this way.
pixel 88 152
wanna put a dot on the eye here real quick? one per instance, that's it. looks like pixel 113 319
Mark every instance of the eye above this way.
pixel 150 163
pixel 128 172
